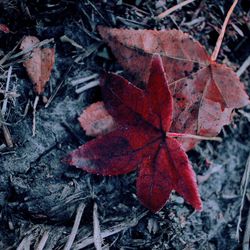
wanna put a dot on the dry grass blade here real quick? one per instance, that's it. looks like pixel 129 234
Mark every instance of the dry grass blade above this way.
pixel 97 230
pixel 43 241
pixel 75 227
pixel 83 79
pixel 88 86
pixel 108 232
pixel 58 87
pixel 25 243
pixel 246 238
pixel 9 56
pixel 4 107
pixel 5 129
pixel 222 33
pixel 243 188
pixel 90 82
pixel 172 9
pixel 243 67
pixel 34 115
pixel 66 39
pixel 6 132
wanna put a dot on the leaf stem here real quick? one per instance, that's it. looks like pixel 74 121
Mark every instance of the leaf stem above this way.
pixel 190 136
pixel 222 33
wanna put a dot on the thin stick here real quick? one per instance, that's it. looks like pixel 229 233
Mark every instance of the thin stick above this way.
pixel 97 231
pixel 222 33
pixel 34 115
pixel 25 243
pixel 88 86
pixel 244 185
pixel 172 9
pixel 246 238
pixel 64 39
pixel 6 132
pixel 58 87
pixel 243 67
pixel 83 79
pixel 43 241
pixel 73 233
pixel 37 45
pixel 7 56
pixel 7 136
pixel 190 136
pixel 4 107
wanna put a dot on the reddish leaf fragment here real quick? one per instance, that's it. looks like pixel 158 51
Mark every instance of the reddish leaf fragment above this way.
pixel 169 169
pixel 4 28
pixel 40 64
pixel 118 152
pixel 204 92
pixel 140 140
pixel 95 120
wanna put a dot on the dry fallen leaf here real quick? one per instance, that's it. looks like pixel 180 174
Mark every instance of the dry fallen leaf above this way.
pixel 40 63
pixel 141 140
pixel 95 120
pixel 204 92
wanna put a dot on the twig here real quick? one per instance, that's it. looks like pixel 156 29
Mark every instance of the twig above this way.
pixel 88 86
pixel 7 136
pixel 198 137
pixel 97 230
pixel 83 79
pixel 243 67
pixel 66 39
pixel 58 87
pixel 34 115
pixel 246 238
pixel 8 55
pixel 4 107
pixel 222 33
pixel 6 132
pixel 244 184
pixel 25 243
pixel 43 241
pixel 37 45
pixel 172 9
pixel 73 233
pixel 98 12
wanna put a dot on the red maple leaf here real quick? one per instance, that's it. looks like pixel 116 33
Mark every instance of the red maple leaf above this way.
pixel 141 140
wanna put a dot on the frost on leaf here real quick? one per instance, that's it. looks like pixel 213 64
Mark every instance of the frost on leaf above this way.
pixel 140 141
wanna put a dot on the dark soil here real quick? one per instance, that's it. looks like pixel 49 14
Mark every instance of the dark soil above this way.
pixel 38 193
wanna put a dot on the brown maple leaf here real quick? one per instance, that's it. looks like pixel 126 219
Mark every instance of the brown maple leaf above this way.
pixel 204 92
pixel 40 63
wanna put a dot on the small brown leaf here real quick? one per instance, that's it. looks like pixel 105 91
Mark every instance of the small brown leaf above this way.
pixel 40 64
